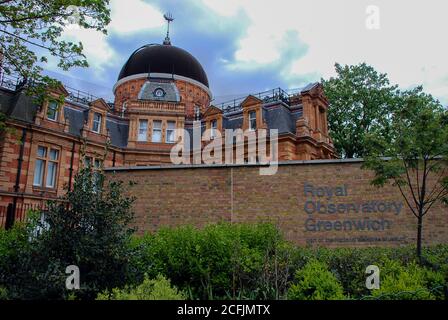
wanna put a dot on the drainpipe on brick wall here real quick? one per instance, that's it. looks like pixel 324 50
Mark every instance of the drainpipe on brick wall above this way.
pixel 113 159
pixel 72 160
pixel 19 172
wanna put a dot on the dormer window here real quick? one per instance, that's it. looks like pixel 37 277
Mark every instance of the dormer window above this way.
pixel 159 93
pixel 52 111
pixel 97 122
pixel 252 120
pixel 213 128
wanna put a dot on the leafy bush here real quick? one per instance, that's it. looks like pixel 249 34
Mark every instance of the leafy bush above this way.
pixel 15 257
pixel 436 258
pixel 3 294
pixel 219 261
pixel 315 282
pixel 349 265
pixel 88 228
pixel 402 283
pixel 158 289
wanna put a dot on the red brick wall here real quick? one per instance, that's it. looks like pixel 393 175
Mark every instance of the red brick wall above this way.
pixel 171 197
pixel 35 136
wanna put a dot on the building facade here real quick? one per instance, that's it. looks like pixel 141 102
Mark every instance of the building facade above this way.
pixel 161 88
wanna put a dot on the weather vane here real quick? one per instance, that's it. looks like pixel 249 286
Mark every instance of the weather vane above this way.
pixel 169 18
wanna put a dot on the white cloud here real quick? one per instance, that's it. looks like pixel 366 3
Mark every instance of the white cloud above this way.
pixel 133 16
pixel 127 17
pixel 410 44
pixel 96 48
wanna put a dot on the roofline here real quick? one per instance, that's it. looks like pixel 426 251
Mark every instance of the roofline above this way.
pixel 211 166
pixel 163 76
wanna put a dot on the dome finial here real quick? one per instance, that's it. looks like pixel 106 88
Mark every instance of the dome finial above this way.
pixel 169 18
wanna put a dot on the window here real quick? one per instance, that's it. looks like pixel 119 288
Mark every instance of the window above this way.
pixel 214 127
pixel 93 163
pixel 97 122
pixel 197 113
pixel 87 162
pixel 123 110
pixel 46 167
pixel 40 166
pixel 170 131
pixel 95 166
pixel 252 120
pixel 52 168
pixel 157 131
pixel 52 111
pixel 142 130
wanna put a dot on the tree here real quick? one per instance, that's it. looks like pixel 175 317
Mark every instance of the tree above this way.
pixel 361 101
pixel 417 154
pixel 89 227
pixel 30 30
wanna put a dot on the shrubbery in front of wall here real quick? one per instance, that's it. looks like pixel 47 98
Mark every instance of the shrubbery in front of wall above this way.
pixel 410 282
pixel 3 294
pixel 219 261
pixel 89 229
pixel 315 282
pixel 157 289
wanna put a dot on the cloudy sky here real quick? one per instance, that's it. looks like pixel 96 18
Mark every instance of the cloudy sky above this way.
pixel 247 46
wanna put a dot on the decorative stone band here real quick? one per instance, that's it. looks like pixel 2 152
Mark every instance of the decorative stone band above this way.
pixel 163 76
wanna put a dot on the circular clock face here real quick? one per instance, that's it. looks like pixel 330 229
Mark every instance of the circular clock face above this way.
pixel 159 93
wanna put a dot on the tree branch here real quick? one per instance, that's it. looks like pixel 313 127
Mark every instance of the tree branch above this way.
pixel 409 183
pixel 406 199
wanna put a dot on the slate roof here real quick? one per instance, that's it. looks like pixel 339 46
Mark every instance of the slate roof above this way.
pixel 20 107
pixel 119 132
pixel 277 115
pixel 171 93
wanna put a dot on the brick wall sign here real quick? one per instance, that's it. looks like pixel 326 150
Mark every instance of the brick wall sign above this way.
pixel 317 203
pixel 328 211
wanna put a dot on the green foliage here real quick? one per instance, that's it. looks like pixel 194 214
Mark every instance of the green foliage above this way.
pixel 31 32
pixel 361 101
pixel 315 282
pixel 14 257
pixel 218 261
pixel 3 294
pixel 417 151
pixel 403 283
pixel 436 258
pixel 87 228
pixel 158 289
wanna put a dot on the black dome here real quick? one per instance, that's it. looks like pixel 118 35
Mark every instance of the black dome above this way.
pixel 164 59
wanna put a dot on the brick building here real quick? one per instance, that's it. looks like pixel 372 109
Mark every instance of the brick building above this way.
pixel 160 88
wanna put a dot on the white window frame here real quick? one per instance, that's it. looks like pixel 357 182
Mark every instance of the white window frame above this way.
pixel 142 134
pixel 254 113
pixel 156 129
pixel 170 132
pixel 99 122
pixel 41 160
pixel 54 162
pixel 213 128
pixel 45 162
pixel 51 105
